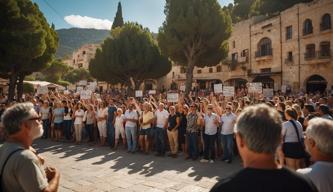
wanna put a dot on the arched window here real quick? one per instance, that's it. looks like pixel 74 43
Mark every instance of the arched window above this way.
pixel 264 47
pixel 307 27
pixel 325 22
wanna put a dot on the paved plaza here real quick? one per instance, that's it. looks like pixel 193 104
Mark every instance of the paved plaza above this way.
pixel 90 168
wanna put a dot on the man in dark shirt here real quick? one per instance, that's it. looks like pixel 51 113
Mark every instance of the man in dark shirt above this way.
pixel 112 109
pixel 258 134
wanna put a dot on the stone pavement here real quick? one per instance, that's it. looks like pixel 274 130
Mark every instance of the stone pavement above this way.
pixel 91 168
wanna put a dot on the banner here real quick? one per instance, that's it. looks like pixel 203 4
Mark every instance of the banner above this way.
pixel 268 92
pixel 91 87
pixel 79 89
pixel 152 92
pixel 83 83
pixel 85 94
pixel 228 91
pixel 255 88
pixel 41 90
pixel 218 88
pixel 138 93
pixel 172 97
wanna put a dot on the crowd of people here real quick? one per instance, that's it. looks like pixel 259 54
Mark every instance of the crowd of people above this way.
pixel 284 130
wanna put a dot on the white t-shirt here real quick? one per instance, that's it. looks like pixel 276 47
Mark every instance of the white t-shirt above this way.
pixel 45 112
pixel 102 113
pixel 119 122
pixel 131 115
pixel 321 174
pixel 79 117
pixel 210 126
pixel 289 133
pixel 228 121
pixel 161 118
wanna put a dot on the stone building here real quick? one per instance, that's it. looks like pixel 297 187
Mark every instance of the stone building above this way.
pixel 82 56
pixel 292 48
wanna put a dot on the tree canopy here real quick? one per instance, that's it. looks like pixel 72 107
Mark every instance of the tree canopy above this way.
pixel 129 57
pixel 27 42
pixel 194 34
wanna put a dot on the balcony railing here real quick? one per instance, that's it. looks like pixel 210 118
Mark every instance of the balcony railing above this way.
pixel 264 53
pixel 324 26
pixel 318 55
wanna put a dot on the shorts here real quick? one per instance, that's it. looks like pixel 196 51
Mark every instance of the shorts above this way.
pixel 293 150
pixel 58 126
pixel 145 131
pixel 102 129
pixel 119 130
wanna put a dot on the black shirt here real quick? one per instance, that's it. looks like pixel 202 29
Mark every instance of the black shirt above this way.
pixel 172 121
pixel 260 180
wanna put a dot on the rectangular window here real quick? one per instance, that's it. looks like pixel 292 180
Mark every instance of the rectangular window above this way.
pixel 182 70
pixel 289 32
pixel 199 71
pixel 218 68
pixel 210 70
pixel 290 56
pixel 310 51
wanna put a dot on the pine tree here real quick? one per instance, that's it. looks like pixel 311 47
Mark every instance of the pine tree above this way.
pixel 118 20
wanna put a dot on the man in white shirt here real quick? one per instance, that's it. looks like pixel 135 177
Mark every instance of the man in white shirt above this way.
pixel 131 119
pixel 319 144
pixel 228 121
pixel 211 122
pixel 161 125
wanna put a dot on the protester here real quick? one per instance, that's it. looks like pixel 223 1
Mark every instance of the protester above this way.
pixel 22 169
pixel 45 112
pixel 258 134
pixel 58 119
pixel 319 144
pixel 146 121
pixel 172 132
pixel 161 116
pixel 228 121
pixel 68 123
pixel 78 123
pixel 101 122
pixel 119 127
pixel 194 121
pixel 182 128
pixel 131 120
pixel 90 119
pixel 112 110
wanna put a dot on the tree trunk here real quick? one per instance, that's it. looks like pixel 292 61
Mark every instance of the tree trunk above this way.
pixel 189 77
pixel 20 87
pixel 12 85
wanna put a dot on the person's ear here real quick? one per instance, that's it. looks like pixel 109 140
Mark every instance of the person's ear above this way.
pixel 240 140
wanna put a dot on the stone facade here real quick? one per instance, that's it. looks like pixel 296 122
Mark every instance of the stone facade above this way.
pixel 292 48
pixel 82 56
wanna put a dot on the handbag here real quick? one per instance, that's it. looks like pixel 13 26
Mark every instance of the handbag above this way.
pixel 3 166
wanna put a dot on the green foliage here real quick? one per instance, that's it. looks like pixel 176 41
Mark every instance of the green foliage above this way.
pixel 118 20
pixel 76 75
pixel 72 39
pixel 129 57
pixel 55 71
pixel 273 6
pixel 28 88
pixel 193 34
pixel 63 83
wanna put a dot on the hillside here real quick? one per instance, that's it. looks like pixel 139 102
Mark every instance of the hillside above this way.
pixel 72 39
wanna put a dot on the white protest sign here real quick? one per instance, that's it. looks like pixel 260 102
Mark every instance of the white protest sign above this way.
pixel 152 92
pixel 79 89
pixel 83 82
pixel 255 88
pixel 284 88
pixel 182 88
pixel 91 87
pixel 42 90
pixel 228 91
pixel 66 92
pixel 172 97
pixel 218 88
pixel 85 94
pixel 71 87
pixel 268 92
pixel 138 93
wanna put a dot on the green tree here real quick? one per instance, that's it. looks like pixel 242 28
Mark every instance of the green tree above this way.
pixel 75 75
pixel 55 72
pixel 194 34
pixel 264 7
pixel 25 42
pixel 242 9
pixel 129 57
pixel 118 20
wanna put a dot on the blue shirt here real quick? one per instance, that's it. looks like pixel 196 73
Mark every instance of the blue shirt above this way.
pixel 58 115
pixel 111 111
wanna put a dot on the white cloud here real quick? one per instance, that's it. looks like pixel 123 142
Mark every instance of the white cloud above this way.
pixel 88 22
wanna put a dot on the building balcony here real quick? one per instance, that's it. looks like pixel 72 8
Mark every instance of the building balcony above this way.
pixel 266 54
pixel 319 55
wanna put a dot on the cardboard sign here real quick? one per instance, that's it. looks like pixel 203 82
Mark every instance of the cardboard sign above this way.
pixel 138 93
pixel 41 90
pixel 66 92
pixel 228 91
pixel 83 83
pixel 85 94
pixel 255 88
pixel 91 87
pixel 172 97
pixel 152 92
pixel 284 88
pixel 268 92
pixel 218 88
pixel 182 87
pixel 71 87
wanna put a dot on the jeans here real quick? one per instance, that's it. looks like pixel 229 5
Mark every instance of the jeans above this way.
pixel 209 151
pixel 111 133
pixel 192 139
pixel 131 138
pixel 160 140
pixel 68 129
pixel 46 128
pixel 228 146
pixel 89 130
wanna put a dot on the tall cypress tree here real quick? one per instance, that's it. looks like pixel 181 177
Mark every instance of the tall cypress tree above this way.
pixel 118 20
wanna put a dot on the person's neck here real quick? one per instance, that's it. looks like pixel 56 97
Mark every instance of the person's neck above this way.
pixel 260 161
pixel 24 142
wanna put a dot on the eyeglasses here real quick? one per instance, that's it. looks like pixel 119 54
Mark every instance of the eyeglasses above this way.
pixel 35 118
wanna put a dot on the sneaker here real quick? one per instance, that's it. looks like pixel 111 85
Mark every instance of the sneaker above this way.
pixel 204 161
pixel 211 161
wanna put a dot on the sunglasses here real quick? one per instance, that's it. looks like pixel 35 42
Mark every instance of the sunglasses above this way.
pixel 39 118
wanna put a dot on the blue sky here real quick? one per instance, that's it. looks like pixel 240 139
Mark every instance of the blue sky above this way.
pixel 100 13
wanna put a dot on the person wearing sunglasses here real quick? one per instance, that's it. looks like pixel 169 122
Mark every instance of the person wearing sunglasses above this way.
pixel 21 168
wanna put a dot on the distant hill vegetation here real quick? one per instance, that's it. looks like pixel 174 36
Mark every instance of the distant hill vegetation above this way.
pixel 74 38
